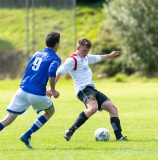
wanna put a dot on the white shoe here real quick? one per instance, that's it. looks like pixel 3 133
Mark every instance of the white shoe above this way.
pixel 123 138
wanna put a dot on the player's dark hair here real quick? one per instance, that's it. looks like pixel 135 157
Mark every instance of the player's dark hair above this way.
pixel 85 42
pixel 52 38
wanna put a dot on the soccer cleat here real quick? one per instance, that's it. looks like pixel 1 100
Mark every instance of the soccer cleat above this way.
pixel 26 140
pixel 123 138
pixel 68 134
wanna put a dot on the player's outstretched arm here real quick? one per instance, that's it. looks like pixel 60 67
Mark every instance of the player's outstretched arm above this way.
pixel 112 54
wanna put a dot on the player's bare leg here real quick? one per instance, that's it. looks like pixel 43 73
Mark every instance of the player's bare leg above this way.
pixel 10 117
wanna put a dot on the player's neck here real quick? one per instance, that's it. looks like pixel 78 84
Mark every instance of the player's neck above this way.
pixel 80 55
pixel 52 48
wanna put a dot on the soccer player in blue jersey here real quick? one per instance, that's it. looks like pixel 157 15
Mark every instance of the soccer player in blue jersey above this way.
pixel 41 68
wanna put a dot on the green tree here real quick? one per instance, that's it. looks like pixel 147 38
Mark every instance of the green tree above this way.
pixel 134 25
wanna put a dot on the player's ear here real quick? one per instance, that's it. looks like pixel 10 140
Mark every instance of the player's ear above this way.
pixel 57 44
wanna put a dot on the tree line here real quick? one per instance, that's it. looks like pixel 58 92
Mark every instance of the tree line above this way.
pixel 131 26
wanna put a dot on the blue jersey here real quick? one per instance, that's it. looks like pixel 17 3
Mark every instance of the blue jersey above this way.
pixel 42 65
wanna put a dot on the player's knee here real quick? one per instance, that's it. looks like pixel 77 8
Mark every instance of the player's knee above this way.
pixel 50 112
pixel 93 110
pixel 113 111
pixel 113 108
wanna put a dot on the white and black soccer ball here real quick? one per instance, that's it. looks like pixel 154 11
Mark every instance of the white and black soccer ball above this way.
pixel 102 134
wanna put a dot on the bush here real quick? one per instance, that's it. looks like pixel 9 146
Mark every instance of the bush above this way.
pixel 134 24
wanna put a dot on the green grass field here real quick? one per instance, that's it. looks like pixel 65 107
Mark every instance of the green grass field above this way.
pixel 137 103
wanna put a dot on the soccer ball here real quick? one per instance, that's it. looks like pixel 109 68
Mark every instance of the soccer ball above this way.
pixel 102 134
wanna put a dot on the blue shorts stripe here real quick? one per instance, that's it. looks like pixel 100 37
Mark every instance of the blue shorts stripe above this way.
pixel 10 111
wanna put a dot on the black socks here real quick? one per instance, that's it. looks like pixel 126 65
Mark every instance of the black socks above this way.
pixel 115 122
pixel 79 121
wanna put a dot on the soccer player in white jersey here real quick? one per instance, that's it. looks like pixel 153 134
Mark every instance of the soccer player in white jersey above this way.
pixel 77 66
pixel 41 68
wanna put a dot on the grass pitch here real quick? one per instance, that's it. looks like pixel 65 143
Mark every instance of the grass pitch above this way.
pixel 137 103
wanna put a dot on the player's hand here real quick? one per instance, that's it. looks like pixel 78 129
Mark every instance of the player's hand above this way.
pixel 55 94
pixel 49 93
pixel 115 53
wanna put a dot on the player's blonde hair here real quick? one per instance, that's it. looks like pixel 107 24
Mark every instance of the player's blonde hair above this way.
pixel 84 42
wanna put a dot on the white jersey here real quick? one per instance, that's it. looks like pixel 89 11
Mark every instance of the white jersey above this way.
pixel 82 76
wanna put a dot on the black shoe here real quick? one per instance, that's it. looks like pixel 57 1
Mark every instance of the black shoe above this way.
pixel 26 140
pixel 123 139
pixel 68 134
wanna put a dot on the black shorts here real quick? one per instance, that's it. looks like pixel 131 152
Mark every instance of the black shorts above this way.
pixel 90 93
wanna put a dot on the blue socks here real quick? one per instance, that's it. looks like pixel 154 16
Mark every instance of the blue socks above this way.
pixel 1 126
pixel 40 121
